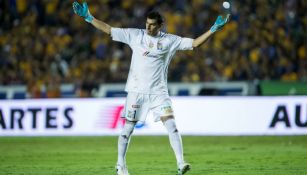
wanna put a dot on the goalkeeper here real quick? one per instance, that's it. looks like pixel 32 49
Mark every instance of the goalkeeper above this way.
pixel 152 51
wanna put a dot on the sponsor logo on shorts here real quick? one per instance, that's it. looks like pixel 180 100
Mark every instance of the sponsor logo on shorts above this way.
pixel 136 106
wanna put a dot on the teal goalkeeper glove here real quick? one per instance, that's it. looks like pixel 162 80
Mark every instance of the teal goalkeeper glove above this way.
pixel 219 23
pixel 82 10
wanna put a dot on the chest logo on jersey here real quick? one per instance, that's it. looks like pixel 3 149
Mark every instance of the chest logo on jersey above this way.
pixel 159 46
pixel 151 44
pixel 148 54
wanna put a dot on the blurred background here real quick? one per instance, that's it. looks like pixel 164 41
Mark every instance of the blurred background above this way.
pixel 46 51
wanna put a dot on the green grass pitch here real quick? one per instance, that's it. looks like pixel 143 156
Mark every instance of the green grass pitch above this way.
pixel 152 155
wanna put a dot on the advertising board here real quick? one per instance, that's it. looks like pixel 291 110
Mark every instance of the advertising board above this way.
pixel 194 116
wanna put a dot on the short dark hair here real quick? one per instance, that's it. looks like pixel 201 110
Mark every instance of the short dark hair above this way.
pixel 155 15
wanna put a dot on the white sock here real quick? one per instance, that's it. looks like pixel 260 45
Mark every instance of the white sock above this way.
pixel 123 142
pixel 175 139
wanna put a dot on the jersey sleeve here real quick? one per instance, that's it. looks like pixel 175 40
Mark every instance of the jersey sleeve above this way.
pixel 123 35
pixel 183 43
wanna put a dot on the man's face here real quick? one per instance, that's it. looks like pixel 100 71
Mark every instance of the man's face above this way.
pixel 152 27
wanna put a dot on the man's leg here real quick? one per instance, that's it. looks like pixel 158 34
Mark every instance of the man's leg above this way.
pixel 123 142
pixel 176 143
pixel 174 137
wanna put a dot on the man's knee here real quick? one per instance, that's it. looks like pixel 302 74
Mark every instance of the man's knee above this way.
pixel 169 123
pixel 128 129
pixel 165 118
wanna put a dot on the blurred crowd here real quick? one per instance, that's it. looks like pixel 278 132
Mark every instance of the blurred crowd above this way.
pixel 43 43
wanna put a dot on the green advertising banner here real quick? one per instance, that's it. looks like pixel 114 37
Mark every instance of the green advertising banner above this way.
pixel 283 88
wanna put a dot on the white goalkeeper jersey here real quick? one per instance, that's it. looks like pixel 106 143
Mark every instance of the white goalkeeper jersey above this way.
pixel 151 57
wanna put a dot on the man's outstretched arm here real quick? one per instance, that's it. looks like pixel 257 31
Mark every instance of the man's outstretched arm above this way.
pixel 102 26
pixel 202 38
pixel 218 25
pixel 83 11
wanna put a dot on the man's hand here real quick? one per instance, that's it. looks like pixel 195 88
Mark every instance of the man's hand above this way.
pixel 219 23
pixel 82 10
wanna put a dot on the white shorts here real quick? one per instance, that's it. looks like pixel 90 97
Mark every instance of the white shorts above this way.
pixel 138 105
